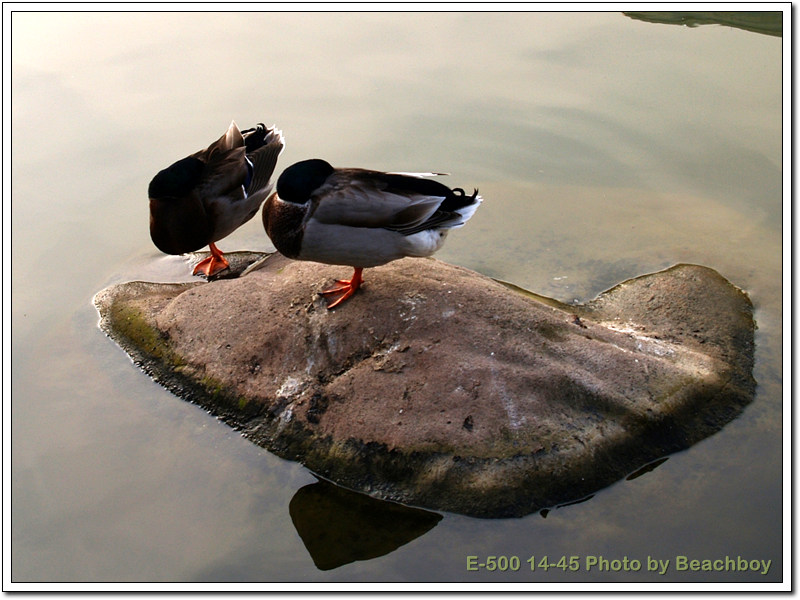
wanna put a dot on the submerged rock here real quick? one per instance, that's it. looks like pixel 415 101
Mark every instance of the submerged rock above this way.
pixel 442 388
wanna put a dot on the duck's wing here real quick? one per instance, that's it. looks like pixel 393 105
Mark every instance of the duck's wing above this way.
pixel 416 175
pixel 371 199
pixel 226 169
pixel 229 140
pixel 268 145
pixel 224 175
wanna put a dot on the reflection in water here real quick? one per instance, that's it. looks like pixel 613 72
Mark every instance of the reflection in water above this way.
pixel 338 526
pixel 647 468
pixel 546 511
pixel 636 474
pixel 770 23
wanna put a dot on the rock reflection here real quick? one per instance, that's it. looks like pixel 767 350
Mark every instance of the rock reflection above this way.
pixel 647 468
pixel 338 526
pixel 769 23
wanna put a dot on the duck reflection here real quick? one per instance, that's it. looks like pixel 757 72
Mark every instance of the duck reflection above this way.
pixel 338 526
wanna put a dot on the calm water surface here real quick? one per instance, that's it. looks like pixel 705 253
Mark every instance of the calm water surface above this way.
pixel 606 147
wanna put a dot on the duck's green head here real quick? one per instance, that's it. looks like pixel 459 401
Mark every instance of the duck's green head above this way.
pixel 298 182
pixel 177 180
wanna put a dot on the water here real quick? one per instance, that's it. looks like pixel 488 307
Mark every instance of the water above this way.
pixel 606 147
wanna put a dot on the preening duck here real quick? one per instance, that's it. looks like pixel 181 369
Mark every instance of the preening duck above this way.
pixel 360 218
pixel 204 197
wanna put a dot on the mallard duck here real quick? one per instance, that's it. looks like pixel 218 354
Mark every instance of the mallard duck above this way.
pixel 360 218
pixel 206 196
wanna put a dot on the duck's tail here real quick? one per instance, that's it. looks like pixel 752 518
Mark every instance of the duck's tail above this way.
pixel 452 213
pixel 462 205
pixel 263 146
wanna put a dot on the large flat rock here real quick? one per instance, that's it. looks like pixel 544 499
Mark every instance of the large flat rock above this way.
pixel 442 388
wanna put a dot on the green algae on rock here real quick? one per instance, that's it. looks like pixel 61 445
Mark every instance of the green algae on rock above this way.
pixel 439 387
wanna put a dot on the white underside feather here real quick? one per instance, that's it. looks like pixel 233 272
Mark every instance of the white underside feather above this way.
pixel 365 246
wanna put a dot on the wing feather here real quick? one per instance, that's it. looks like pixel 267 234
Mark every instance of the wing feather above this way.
pixel 398 202
pixel 362 202
pixel 224 175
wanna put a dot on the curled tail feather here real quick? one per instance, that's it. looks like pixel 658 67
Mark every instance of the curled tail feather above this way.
pixel 263 148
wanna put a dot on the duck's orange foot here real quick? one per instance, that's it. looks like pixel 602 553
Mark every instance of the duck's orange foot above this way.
pixel 343 289
pixel 211 265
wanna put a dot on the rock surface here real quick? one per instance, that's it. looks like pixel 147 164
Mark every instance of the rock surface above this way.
pixel 438 387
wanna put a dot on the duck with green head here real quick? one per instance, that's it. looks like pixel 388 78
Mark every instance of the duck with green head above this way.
pixel 360 218
pixel 204 197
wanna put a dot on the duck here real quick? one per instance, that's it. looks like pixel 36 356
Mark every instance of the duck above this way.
pixel 199 200
pixel 360 218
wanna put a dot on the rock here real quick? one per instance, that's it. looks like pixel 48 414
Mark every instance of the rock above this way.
pixel 438 387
